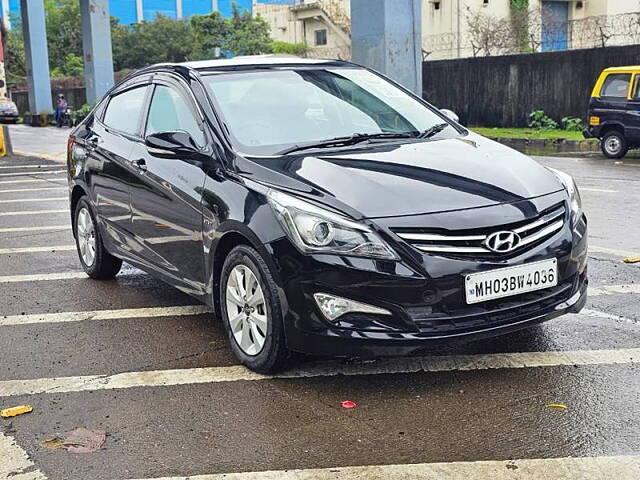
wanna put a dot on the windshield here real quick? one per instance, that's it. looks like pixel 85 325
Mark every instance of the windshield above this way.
pixel 268 111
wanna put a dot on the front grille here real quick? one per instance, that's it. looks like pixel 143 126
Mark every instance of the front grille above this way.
pixel 473 242
pixel 493 313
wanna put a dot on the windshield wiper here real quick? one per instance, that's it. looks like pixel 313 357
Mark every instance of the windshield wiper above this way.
pixel 345 141
pixel 431 131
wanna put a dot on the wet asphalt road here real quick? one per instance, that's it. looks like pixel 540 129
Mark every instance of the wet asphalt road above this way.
pixel 191 421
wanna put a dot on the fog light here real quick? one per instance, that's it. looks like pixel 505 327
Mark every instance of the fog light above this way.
pixel 333 307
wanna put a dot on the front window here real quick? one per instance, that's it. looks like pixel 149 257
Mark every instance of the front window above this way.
pixel 268 111
pixel 616 86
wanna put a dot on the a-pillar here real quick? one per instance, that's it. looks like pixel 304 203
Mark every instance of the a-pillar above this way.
pixel 96 44
pixel 387 36
pixel 36 56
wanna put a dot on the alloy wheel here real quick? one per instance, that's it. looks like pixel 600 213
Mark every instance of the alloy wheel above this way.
pixel 246 309
pixel 86 237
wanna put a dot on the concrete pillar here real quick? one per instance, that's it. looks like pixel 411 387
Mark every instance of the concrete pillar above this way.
pixel 387 36
pixel 179 9
pixel 96 44
pixel 36 55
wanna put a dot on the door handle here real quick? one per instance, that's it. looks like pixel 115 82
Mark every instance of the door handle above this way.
pixel 141 164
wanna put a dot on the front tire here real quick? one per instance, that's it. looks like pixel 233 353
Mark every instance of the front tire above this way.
pixel 94 258
pixel 614 144
pixel 251 311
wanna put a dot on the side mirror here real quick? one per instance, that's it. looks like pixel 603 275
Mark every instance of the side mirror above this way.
pixel 179 145
pixel 450 114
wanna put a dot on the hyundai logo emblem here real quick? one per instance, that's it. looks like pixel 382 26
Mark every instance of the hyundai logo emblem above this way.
pixel 502 242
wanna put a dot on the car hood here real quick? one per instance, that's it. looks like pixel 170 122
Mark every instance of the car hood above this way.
pixel 411 178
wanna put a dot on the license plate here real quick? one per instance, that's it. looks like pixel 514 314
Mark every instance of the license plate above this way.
pixel 509 281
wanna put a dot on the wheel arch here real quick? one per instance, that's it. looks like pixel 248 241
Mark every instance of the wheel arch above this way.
pixel 76 194
pixel 608 127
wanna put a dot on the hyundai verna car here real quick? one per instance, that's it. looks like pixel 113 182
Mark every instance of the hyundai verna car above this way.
pixel 319 207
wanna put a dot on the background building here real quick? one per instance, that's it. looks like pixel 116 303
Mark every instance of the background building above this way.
pixel 134 11
pixel 466 28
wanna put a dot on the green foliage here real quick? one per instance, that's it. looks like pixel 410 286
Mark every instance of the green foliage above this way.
pixel 15 59
pixel 64 33
pixel 73 66
pixel 518 4
pixel 241 34
pixel 538 119
pixel 287 48
pixel 145 43
pixel 572 124
pixel 82 112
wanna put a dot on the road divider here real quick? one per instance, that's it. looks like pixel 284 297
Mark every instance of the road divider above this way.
pixel 444 363
pixel 569 468
pixel 128 313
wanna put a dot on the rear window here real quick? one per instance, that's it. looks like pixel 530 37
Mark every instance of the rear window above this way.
pixel 616 85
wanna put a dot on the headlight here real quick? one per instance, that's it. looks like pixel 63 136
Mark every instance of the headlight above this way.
pixel 575 202
pixel 316 230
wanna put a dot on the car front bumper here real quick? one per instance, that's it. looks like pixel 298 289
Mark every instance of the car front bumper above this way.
pixel 425 294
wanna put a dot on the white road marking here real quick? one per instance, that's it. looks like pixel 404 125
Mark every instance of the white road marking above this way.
pixel 613 289
pixel 48 172
pixel 33 180
pixel 65 317
pixel 19 190
pixel 35 229
pixel 33 212
pixel 445 363
pixel 58 248
pixel 21 200
pixel 15 463
pixel 594 313
pixel 568 468
pixel 30 166
pixel 598 190
pixel 44 277
pixel 611 251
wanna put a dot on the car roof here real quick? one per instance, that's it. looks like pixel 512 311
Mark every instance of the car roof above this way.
pixel 622 69
pixel 260 61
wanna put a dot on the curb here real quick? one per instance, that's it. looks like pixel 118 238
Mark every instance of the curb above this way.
pixel 559 145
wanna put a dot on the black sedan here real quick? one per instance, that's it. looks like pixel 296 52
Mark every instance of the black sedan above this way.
pixel 319 207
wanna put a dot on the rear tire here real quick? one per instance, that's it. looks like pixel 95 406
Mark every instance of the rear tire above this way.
pixel 94 258
pixel 251 311
pixel 614 145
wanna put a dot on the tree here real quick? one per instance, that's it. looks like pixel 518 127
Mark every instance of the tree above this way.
pixel 210 33
pixel 15 63
pixel 248 35
pixel 145 43
pixel 64 32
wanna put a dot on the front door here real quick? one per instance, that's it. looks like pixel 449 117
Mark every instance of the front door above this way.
pixel 166 195
pixel 555 25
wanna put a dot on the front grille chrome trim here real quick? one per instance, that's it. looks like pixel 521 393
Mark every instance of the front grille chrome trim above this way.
pixel 537 230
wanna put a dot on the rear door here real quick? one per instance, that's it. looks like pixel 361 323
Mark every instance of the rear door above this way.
pixel 109 141
pixel 166 193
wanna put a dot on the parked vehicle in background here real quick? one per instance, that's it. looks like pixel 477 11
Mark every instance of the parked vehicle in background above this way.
pixel 8 112
pixel 614 111
pixel 319 207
